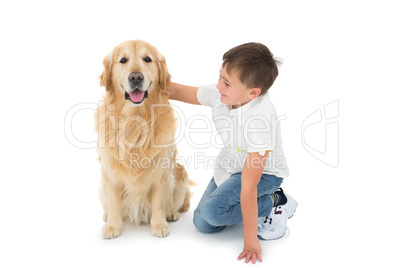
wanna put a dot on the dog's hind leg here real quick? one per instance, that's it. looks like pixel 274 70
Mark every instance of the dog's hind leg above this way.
pixel 182 193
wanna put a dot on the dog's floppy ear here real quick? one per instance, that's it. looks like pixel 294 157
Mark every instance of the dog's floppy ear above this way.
pixel 164 76
pixel 105 78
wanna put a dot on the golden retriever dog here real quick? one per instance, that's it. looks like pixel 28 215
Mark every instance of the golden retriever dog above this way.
pixel 141 181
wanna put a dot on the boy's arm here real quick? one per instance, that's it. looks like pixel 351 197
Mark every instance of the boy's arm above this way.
pixel 183 93
pixel 250 178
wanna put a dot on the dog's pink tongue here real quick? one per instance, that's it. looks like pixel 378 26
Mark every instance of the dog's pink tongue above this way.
pixel 137 95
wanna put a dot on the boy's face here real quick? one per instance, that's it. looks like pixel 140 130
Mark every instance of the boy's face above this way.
pixel 233 92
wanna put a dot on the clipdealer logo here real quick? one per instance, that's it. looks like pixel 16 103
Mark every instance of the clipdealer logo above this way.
pixel 319 131
pixel 320 134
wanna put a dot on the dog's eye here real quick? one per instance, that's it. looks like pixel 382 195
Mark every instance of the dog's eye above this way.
pixel 147 59
pixel 123 60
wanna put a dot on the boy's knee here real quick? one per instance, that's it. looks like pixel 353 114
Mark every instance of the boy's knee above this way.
pixel 203 226
pixel 212 216
pixel 213 213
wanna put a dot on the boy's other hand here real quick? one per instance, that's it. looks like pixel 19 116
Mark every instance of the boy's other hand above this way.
pixel 251 251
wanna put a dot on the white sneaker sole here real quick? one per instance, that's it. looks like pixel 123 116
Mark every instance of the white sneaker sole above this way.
pixel 270 239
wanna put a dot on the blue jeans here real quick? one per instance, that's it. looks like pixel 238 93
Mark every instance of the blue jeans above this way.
pixel 220 206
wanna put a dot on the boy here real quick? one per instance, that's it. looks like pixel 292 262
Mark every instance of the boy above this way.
pixel 251 164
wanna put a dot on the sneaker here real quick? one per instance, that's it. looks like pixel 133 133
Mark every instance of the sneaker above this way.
pixel 274 226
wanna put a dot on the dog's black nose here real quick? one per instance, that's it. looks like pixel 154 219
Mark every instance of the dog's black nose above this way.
pixel 136 77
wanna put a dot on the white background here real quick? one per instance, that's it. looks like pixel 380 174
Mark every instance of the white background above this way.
pixel 346 52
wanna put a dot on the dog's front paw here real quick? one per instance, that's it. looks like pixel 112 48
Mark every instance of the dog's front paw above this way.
pixel 174 217
pixel 160 230
pixel 110 231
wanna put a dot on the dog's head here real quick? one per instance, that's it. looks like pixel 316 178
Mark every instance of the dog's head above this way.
pixel 135 69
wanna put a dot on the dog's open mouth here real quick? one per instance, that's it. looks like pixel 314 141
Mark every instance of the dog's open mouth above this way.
pixel 137 96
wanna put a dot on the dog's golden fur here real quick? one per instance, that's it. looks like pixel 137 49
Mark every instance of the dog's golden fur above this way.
pixel 141 181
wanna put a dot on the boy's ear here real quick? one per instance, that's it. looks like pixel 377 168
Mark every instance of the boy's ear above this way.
pixel 254 93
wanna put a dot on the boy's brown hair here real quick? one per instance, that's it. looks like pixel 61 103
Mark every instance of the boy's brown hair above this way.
pixel 254 65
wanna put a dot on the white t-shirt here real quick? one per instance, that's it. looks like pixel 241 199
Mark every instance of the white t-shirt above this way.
pixel 253 127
